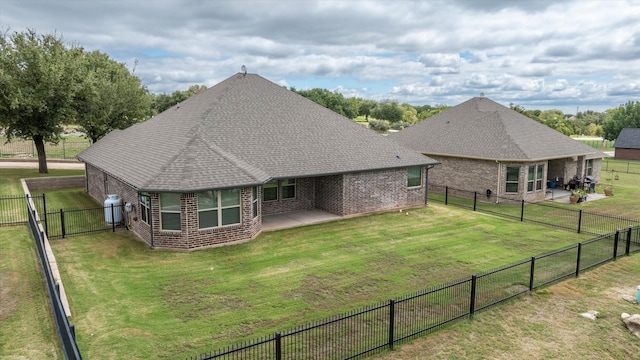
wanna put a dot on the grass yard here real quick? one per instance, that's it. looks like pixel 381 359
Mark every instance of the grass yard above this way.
pixel 129 301
pixel 545 325
pixel 27 330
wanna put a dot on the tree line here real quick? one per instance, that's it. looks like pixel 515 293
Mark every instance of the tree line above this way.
pixel 45 85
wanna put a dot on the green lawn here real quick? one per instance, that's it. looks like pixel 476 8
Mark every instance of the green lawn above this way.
pixel 130 301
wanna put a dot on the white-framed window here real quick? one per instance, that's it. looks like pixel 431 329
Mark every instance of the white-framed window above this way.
pixel 170 211
pixel 270 191
pixel 254 201
pixel 414 176
pixel 218 208
pixel 589 167
pixel 531 177
pixel 288 187
pixel 145 208
pixel 539 174
pixel 512 179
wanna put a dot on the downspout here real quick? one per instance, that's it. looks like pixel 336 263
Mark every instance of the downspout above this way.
pixel 499 177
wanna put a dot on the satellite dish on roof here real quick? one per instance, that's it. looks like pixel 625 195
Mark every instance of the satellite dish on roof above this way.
pixel 244 70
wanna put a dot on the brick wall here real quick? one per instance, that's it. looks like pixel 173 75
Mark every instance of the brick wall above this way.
pixel 304 199
pixel 379 190
pixel 330 194
pixel 627 154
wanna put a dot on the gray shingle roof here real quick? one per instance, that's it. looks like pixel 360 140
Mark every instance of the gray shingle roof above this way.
pixel 241 132
pixel 483 129
pixel 629 138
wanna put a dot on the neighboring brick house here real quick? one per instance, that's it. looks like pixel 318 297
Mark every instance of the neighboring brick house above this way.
pixel 205 171
pixel 627 146
pixel 483 145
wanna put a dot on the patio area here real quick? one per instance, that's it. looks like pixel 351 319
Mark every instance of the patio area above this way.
pixel 562 196
pixel 296 218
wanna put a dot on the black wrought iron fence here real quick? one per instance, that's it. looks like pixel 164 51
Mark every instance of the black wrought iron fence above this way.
pixel 14 210
pixel 618 166
pixel 543 213
pixel 379 327
pixel 66 331
pixel 63 223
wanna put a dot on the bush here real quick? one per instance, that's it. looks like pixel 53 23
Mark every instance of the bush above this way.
pixel 399 125
pixel 379 125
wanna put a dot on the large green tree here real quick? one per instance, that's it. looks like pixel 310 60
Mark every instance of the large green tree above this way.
pixel 388 110
pixel 331 100
pixel 109 97
pixel 39 76
pixel 624 116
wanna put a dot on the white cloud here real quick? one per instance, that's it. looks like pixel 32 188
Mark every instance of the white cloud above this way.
pixel 540 53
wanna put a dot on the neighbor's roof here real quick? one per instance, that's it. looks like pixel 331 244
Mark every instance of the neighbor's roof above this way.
pixel 483 129
pixel 243 131
pixel 629 138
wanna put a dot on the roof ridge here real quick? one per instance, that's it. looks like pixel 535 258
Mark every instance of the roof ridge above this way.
pixel 253 172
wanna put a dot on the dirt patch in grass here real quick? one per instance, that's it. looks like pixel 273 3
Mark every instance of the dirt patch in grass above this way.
pixel 8 282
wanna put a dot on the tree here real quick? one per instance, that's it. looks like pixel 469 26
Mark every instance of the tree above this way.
pixel 38 80
pixel 624 116
pixel 365 107
pixel 162 102
pixel 331 100
pixel 409 114
pixel 109 97
pixel 388 110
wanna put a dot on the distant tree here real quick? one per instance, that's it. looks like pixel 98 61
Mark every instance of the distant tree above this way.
pixel 410 114
pixel 427 111
pixel 365 107
pixel 624 116
pixel 388 110
pixel 331 100
pixel 109 97
pixel 162 102
pixel 39 77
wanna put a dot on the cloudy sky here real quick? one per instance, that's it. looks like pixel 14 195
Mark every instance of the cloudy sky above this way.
pixel 568 55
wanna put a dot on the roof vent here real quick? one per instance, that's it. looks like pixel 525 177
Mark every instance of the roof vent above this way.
pixel 481 94
pixel 243 69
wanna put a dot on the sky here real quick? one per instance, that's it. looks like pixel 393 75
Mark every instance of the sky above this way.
pixel 572 55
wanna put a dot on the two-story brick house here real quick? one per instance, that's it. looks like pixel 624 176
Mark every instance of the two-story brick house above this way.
pixel 206 171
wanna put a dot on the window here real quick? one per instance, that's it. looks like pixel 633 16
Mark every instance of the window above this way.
pixel 539 173
pixel 589 169
pixel 170 211
pixel 414 176
pixel 270 191
pixel 218 208
pixel 145 208
pixel 513 173
pixel 288 188
pixel 530 178
pixel 254 201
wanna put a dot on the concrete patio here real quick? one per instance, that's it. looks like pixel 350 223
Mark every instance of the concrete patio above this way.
pixel 562 196
pixel 296 218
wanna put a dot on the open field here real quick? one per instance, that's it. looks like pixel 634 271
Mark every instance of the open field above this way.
pixel 132 302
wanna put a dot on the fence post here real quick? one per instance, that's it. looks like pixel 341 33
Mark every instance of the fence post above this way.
pixel 62 223
pixel 44 210
pixel 446 195
pixel 578 259
pixel 475 200
pixel 472 302
pixel 579 221
pixel 615 244
pixel 392 321
pixel 627 247
pixel 278 346
pixel 522 211
pixel 531 272
pixel 64 153
pixel 113 219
